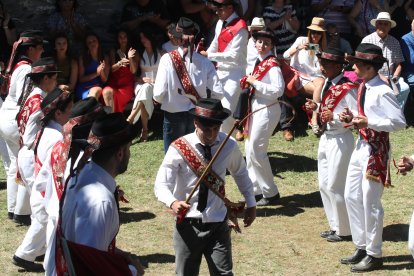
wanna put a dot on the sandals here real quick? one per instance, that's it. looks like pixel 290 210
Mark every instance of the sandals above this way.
pixel 144 136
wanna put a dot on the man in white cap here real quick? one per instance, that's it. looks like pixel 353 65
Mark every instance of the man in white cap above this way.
pixel 390 46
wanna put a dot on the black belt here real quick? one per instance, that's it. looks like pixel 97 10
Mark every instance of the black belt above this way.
pixel 198 221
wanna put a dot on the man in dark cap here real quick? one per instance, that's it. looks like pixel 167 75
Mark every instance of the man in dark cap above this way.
pixel 336 143
pixel 377 114
pixel 26 50
pixel 183 77
pixel 90 208
pixel 204 230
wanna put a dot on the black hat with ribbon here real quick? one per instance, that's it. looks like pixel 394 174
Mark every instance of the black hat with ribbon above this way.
pixel 52 99
pixel 333 55
pixel 367 53
pixel 185 26
pixel 44 66
pixel 111 130
pixel 210 110
pixel 32 38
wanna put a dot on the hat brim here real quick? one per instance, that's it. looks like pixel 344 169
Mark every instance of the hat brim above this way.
pixel 353 59
pixel 319 55
pixel 261 27
pixel 224 115
pixel 258 34
pixel 44 42
pixel 316 28
pixel 47 72
pixel 374 22
pixel 131 133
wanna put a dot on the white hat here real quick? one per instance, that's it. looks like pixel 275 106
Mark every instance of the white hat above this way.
pixel 383 16
pixel 257 22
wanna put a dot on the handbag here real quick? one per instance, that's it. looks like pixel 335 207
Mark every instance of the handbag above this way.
pixel 291 77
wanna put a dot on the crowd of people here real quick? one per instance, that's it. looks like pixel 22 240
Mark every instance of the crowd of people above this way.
pixel 216 67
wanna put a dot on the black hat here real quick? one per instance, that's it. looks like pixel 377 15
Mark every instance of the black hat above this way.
pixel 333 54
pixel 50 102
pixel 44 66
pixel 185 26
pixel 224 2
pixel 210 110
pixel 267 32
pixel 32 38
pixel 367 53
pixel 111 130
pixel 85 111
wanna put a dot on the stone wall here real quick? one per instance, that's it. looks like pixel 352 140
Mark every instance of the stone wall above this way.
pixel 102 15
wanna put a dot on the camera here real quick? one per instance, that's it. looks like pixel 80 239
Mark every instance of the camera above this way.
pixel 314 47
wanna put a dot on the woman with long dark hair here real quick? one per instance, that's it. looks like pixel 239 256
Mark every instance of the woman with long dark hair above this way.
pixel 150 55
pixel 68 67
pixel 120 87
pixel 93 69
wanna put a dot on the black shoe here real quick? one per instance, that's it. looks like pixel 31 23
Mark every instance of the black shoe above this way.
pixel 268 201
pixel 325 234
pixel 358 255
pixel 40 258
pixel 336 238
pixel 26 265
pixel 258 197
pixel 368 263
pixel 10 215
pixel 22 219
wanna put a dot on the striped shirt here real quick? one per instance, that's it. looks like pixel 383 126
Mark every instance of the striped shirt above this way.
pixel 391 50
pixel 336 17
pixel 284 36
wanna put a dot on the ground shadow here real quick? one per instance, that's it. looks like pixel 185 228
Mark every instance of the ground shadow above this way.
pixel 126 217
pixel 158 258
pixel 3 185
pixel 283 162
pixel 292 205
pixel 395 233
pixel 403 262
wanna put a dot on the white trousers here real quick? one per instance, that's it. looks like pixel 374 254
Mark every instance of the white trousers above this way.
pixel 34 242
pixel 25 162
pixel 144 94
pixel 334 153
pixel 17 196
pixel 231 87
pixel 411 236
pixel 363 203
pixel 261 127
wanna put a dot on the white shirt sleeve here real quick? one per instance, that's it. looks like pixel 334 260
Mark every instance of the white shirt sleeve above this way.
pixel 238 42
pixel 161 81
pixel 392 118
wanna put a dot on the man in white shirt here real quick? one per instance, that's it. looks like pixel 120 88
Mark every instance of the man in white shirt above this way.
pixel 229 50
pixel 378 114
pixel 204 230
pixel 183 77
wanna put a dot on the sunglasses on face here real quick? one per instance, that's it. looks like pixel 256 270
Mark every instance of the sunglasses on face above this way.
pixel 316 33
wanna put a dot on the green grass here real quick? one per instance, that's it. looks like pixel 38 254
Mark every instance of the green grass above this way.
pixel 284 239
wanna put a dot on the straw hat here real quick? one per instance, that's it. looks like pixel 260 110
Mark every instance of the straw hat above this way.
pixel 383 16
pixel 257 23
pixel 318 24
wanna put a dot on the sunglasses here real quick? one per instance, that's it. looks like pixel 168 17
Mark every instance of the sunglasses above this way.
pixel 316 32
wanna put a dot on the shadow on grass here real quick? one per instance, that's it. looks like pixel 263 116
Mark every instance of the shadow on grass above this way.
pixel 395 232
pixel 158 258
pixel 403 262
pixel 3 185
pixel 134 216
pixel 291 205
pixel 283 162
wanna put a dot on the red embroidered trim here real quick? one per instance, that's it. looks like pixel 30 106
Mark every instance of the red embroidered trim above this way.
pixel 31 105
pixel 334 95
pixel 184 77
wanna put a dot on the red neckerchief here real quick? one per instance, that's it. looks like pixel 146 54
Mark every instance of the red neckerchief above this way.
pixel 378 168
pixel 31 105
pixel 227 33
pixel 184 77
pixel 198 164
pixel 258 72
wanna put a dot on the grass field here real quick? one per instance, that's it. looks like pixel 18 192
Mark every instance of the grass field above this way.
pixel 284 239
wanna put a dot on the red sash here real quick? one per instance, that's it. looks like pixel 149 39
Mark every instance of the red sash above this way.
pixel 6 77
pixel 184 77
pixel 378 168
pixel 197 165
pixel 227 33
pixel 31 105
pixel 258 72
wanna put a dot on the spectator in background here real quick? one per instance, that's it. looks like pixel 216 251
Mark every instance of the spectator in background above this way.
pixel 335 12
pixel 7 36
pixel 135 12
pixel 67 20
pixel 67 66
pixel 173 41
pixel 93 69
pixel 335 40
pixel 150 57
pixel 124 64
pixel 281 18
pixel 409 9
pixel 407 46
pixel 399 15
pixel 258 24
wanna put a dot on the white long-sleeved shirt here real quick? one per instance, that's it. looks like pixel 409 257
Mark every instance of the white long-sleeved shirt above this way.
pixel 16 87
pixel 175 179
pixel 234 56
pixel 167 84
